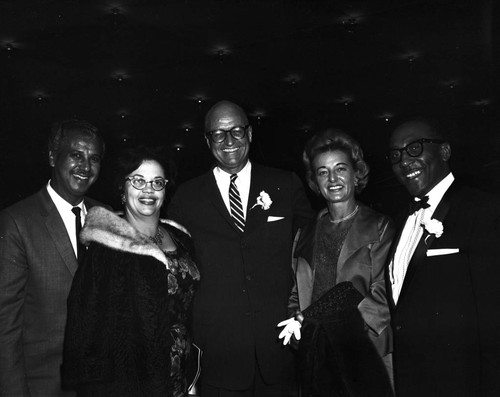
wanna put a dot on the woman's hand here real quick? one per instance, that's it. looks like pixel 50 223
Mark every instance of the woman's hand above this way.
pixel 292 327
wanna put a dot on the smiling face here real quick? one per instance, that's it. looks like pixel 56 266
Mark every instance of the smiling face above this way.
pixel 420 174
pixel 231 154
pixel 147 201
pixel 75 165
pixel 335 176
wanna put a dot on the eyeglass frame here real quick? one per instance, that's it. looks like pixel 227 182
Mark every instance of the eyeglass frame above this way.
pixel 135 177
pixel 230 131
pixel 420 141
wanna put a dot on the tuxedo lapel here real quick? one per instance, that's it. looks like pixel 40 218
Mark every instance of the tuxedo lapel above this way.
pixel 427 239
pixel 58 233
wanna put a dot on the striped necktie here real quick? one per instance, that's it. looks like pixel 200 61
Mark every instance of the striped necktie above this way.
pixel 235 204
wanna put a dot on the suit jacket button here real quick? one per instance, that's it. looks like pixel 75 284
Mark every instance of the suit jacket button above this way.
pixel 248 277
pixel 398 327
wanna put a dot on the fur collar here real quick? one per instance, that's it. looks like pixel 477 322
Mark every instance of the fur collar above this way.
pixel 107 228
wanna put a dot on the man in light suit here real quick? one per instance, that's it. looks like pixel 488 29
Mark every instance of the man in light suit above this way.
pixel 38 258
pixel 444 274
pixel 245 262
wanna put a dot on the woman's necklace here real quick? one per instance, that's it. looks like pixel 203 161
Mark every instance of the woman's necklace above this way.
pixel 157 237
pixel 348 216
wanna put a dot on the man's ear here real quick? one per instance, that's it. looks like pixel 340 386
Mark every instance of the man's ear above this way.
pixel 52 159
pixel 208 142
pixel 445 151
pixel 249 133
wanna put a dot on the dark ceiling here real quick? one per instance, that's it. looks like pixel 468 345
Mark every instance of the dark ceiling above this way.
pixel 147 71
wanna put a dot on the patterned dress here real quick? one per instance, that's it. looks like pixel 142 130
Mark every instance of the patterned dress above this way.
pixel 181 282
pixel 129 317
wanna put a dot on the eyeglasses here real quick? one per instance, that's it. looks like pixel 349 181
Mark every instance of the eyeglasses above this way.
pixel 140 183
pixel 218 136
pixel 414 149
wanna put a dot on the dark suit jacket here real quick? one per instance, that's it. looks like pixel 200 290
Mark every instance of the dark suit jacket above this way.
pixel 37 264
pixel 361 261
pixel 447 320
pixel 245 278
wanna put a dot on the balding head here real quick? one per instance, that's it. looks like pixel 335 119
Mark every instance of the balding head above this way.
pixel 224 112
pixel 229 120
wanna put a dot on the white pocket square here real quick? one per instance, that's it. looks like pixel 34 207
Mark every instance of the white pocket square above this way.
pixel 275 218
pixel 442 251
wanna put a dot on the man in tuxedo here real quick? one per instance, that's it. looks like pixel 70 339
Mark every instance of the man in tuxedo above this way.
pixel 38 258
pixel 443 275
pixel 242 217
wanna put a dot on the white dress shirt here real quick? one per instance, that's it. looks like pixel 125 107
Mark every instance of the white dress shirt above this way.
pixel 67 215
pixel 223 180
pixel 411 234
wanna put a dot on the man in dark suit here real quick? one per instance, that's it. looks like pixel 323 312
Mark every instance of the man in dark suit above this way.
pixel 38 258
pixel 243 233
pixel 443 275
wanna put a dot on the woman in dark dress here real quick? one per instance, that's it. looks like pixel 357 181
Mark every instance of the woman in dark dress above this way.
pixel 128 331
pixel 338 306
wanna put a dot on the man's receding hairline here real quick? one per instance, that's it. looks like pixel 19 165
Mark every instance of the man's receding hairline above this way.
pixel 225 106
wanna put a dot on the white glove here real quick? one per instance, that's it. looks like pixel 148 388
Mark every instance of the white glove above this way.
pixel 292 327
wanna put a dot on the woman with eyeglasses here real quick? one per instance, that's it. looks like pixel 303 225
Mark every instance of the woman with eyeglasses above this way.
pixel 339 316
pixel 128 331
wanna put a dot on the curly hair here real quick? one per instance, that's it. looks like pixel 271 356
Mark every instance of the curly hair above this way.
pixel 131 158
pixel 330 140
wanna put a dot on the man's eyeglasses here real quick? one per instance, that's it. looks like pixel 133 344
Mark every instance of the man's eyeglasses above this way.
pixel 218 136
pixel 140 183
pixel 414 149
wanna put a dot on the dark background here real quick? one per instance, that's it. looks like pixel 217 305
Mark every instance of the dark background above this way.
pixel 147 72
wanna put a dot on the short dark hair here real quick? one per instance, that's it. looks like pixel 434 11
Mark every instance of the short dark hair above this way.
pixel 330 140
pixel 60 130
pixel 130 159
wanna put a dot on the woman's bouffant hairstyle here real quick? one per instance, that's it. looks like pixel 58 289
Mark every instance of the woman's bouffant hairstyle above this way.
pixel 334 139
pixel 130 159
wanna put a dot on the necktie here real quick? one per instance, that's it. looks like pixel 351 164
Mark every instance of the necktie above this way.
pixel 415 205
pixel 78 225
pixel 235 204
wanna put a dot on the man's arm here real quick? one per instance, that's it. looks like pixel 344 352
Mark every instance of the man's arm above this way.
pixel 302 211
pixel 13 279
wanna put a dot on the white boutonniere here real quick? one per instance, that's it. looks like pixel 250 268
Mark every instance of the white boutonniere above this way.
pixel 433 226
pixel 263 200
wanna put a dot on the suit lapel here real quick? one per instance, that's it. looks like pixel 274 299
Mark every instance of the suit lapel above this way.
pixel 256 216
pixel 362 233
pixel 57 232
pixel 215 197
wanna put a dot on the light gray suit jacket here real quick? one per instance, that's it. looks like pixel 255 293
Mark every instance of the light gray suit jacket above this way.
pixel 37 264
pixel 361 261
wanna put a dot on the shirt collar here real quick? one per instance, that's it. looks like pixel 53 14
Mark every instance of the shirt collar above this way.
pixel 243 174
pixel 438 191
pixel 60 202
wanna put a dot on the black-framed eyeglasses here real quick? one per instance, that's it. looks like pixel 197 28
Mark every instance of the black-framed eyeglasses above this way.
pixel 140 183
pixel 414 149
pixel 237 132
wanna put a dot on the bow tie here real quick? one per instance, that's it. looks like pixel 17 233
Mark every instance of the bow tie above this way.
pixel 417 205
